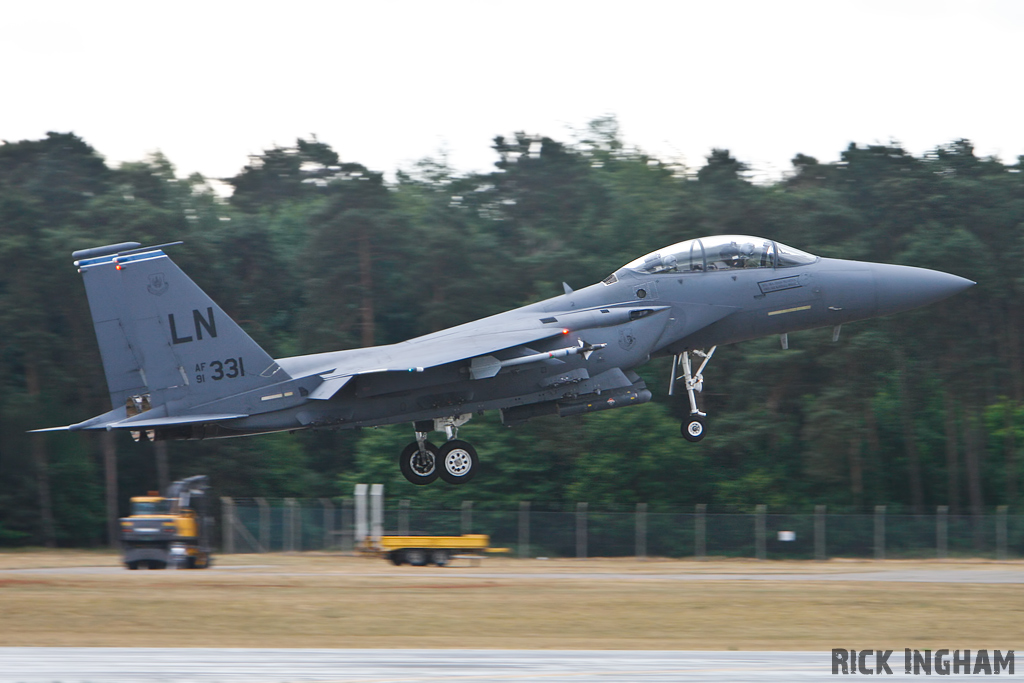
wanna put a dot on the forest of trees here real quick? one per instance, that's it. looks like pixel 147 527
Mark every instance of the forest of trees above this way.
pixel 311 253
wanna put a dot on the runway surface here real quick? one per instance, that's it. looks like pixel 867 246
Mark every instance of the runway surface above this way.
pixel 167 665
pixel 1013 575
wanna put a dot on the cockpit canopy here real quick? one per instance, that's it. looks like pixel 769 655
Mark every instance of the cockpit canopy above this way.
pixel 720 252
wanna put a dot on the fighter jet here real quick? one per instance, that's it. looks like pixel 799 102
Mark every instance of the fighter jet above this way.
pixel 177 367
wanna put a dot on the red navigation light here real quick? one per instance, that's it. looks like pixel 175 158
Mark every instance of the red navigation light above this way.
pixel 565 330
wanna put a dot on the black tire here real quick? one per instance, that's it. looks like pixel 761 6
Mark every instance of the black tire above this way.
pixel 694 428
pixel 132 565
pixel 413 469
pixel 440 557
pixel 397 557
pixel 458 462
pixel 417 557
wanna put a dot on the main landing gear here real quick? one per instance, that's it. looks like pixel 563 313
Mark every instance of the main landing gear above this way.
pixel 695 426
pixel 455 462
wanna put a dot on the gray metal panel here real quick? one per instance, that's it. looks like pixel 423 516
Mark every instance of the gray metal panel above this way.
pixel 120 365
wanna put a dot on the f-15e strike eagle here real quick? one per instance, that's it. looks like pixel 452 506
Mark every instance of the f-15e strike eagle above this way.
pixel 178 367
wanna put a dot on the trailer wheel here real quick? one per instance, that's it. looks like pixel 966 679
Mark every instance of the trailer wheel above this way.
pixel 440 557
pixel 416 557
pixel 396 557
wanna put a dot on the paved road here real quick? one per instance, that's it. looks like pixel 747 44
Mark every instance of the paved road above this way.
pixel 1014 575
pixel 166 665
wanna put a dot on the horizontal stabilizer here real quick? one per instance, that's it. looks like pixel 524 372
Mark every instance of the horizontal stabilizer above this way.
pixel 99 421
pixel 135 423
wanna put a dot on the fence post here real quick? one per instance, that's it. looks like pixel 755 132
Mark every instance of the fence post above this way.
pixel 942 532
pixel 228 524
pixel 289 525
pixel 581 531
pixel 362 525
pixel 1001 532
pixel 524 528
pixel 328 523
pixel 879 532
pixel 819 532
pixel 403 517
pixel 467 517
pixel 264 524
pixel 700 548
pixel 376 513
pixel 641 531
pixel 759 531
pixel 347 522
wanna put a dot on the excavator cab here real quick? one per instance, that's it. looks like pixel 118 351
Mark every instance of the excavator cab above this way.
pixel 173 530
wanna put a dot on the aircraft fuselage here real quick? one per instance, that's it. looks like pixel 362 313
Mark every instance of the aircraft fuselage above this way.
pixel 647 315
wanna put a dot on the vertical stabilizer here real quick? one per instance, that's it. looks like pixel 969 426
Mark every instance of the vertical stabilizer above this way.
pixel 163 341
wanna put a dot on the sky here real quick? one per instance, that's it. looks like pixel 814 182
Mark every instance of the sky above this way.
pixel 388 82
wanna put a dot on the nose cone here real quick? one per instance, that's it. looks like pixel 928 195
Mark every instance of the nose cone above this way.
pixel 904 288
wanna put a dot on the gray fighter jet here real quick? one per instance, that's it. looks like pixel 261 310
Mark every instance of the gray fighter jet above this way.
pixel 178 367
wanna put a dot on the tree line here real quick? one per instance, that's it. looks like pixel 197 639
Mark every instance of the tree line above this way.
pixel 312 253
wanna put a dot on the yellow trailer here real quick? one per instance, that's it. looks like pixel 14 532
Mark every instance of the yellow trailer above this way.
pixel 423 550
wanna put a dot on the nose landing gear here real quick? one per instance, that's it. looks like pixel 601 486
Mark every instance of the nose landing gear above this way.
pixel 455 462
pixel 695 426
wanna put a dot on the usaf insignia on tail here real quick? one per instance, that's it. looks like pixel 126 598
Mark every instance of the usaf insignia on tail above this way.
pixel 177 367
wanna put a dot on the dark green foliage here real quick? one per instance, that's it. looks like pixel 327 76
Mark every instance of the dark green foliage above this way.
pixel 312 254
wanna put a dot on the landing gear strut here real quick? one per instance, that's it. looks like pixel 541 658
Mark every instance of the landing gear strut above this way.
pixel 695 426
pixel 455 462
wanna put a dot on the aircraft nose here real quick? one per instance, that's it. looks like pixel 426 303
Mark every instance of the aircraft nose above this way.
pixel 903 288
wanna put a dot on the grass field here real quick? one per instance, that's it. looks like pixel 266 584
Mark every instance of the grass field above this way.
pixel 321 600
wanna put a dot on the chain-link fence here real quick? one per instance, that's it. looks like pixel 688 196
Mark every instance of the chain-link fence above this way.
pixel 292 525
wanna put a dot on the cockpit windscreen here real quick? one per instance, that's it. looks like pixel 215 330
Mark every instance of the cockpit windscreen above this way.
pixel 721 252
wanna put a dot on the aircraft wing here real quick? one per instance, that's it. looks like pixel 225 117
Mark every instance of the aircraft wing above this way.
pixel 416 355
pixel 435 350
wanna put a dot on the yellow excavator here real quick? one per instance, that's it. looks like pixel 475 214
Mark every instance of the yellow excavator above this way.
pixel 172 530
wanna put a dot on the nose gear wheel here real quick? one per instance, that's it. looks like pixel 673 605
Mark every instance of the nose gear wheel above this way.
pixel 693 428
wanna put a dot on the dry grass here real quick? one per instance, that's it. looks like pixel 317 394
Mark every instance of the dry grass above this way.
pixel 319 600
pixel 41 558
